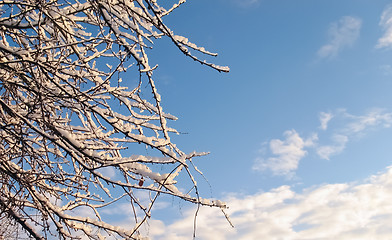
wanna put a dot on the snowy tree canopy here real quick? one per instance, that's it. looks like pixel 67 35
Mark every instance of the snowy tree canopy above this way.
pixel 67 119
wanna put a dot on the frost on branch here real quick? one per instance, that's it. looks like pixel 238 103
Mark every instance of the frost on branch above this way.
pixel 67 118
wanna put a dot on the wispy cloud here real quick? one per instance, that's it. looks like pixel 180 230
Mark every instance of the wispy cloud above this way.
pixel 351 127
pixel 339 143
pixel 376 117
pixel 286 153
pixel 324 119
pixel 386 69
pixel 282 157
pixel 342 34
pixel 332 211
pixel 246 3
pixel 386 24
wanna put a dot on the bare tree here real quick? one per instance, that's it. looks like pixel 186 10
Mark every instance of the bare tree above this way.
pixel 67 119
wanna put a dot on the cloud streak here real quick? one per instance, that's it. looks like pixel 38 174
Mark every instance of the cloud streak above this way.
pixel 352 127
pixel 324 119
pixel 282 157
pixel 386 24
pixel 342 34
pixel 247 3
pixel 374 118
pixel 339 143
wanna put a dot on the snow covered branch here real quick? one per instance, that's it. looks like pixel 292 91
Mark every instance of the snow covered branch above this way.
pixel 67 119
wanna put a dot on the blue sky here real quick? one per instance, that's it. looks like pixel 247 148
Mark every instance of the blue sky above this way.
pixel 299 131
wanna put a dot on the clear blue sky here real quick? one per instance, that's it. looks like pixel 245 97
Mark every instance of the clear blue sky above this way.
pixel 299 131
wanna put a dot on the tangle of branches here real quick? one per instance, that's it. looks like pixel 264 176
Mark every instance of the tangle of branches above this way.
pixel 71 127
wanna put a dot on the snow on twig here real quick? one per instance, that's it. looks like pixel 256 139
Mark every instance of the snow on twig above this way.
pixel 71 131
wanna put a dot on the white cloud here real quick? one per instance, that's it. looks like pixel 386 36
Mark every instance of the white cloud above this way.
pixel 374 118
pixel 339 144
pixel 282 157
pixel 342 34
pixel 332 211
pixel 287 153
pixel 386 24
pixel 353 126
pixel 324 119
